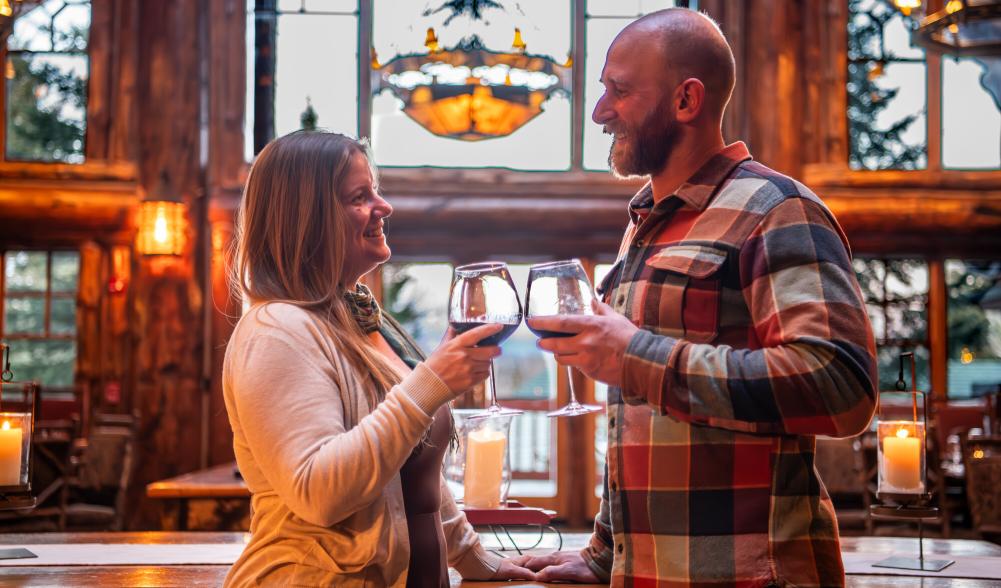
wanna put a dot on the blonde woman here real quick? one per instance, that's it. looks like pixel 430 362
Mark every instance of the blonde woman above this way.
pixel 339 423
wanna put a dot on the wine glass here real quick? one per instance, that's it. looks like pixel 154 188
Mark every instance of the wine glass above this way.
pixel 560 288
pixel 483 293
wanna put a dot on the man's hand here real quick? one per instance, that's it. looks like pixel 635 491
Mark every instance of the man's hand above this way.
pixel 509 570
pixel 558 566
pixel 598 344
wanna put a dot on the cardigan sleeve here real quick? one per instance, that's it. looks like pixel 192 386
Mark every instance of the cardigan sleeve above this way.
pixel 289 401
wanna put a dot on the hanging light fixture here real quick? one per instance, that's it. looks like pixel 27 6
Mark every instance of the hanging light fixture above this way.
pixel 962 28
pixel 469 92
pixel 162 226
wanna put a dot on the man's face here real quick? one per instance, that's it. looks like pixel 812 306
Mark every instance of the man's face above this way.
pixel 636 108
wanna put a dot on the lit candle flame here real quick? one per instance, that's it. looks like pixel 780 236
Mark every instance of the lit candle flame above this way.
pixel 160 227
pixel 6 425
pixel 902 433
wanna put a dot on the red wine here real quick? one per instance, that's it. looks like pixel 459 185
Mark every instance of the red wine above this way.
pixel 543 334
pixel 495 339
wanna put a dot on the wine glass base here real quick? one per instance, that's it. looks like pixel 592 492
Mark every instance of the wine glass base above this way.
pixel 495 412
pixel 571 410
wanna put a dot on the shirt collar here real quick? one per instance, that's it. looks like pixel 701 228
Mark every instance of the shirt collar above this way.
pixel 698 189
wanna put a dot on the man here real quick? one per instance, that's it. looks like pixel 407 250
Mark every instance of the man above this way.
pixel 736 334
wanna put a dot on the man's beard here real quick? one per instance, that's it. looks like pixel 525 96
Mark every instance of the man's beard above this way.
pixel 649 144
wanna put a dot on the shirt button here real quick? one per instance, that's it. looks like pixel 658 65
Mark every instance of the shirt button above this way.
pixel 621 299
pixel 619 548
pixel 611 422
pixel 639 242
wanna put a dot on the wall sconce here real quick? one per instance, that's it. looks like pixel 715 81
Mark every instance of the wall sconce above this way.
pixel 162 226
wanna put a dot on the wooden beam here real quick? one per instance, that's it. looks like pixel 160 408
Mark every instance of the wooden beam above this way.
pixel 938 329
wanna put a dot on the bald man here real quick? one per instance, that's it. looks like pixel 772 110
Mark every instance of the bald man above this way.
pixel 734 333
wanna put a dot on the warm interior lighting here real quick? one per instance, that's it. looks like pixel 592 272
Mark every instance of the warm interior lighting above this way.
pixel 906 6
pixel 978 454
pixel 5 8
pixel 902 433
pixel 6 426
pixel 161 228
pixel 518 44
pixel 966 356
pixel 431 41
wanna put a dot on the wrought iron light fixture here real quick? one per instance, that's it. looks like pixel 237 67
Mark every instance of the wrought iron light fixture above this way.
pixel 469 92
pixel 962 28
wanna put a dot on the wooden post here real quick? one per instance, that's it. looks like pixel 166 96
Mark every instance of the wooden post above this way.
pixel 265 58
pixel 938 329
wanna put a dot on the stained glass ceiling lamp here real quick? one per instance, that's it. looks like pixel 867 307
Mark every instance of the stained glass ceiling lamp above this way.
pixel 962 28
pixel 469 92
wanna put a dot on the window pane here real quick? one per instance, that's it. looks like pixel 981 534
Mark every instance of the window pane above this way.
pixel 886 90
pixel 49 362
pixel 543 143
pixel 62 321
pixel 65 271
pixel 52 25
pixel 971 119
pixel 24 316
pixel 316 58
pixel 416 294
pixel 974 332
pixel 24 271
pixel 46 107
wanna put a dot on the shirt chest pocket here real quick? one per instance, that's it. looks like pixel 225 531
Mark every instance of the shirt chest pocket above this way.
pixel 683 290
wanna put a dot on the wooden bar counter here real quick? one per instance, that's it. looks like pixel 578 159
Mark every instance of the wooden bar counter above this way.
pixel 190 575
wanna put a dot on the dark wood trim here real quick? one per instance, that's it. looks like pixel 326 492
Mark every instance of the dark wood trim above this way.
pixel 578 47
pixel 938 329
pixel 93 171
pixel 265 58
pixel 821 175
pixel 365 17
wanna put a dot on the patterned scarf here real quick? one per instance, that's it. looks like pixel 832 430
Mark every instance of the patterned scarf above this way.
pixel 364 308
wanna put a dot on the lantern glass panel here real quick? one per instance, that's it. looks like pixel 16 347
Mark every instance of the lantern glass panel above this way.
pixel 15 448
pixel 901 455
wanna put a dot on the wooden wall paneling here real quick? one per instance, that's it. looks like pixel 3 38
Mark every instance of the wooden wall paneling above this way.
pixel 89 331
pixel 938 329
pixel 124 96
pixel 225 308
pixel 100 47
pixel 226 93
pixel 167 298
pixel 730 17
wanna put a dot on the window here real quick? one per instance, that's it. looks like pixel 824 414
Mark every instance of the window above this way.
pixel 886 89
pixel 38 318
pixel 974 331
pixel 46 71
pixel 332 86
pixel 971 114
pixel 896 296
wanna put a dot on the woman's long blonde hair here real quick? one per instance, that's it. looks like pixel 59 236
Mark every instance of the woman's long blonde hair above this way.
pixel 290 240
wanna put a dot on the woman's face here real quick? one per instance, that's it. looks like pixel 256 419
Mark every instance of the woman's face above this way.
pixel 364 210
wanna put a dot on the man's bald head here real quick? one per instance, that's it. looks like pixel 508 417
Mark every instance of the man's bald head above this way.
pixel 693 47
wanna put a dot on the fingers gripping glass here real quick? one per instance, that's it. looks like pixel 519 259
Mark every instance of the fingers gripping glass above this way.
pixel 560 288
pixel 483 293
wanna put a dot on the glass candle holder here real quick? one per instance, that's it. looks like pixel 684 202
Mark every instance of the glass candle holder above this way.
pixel 478 471
pixel 901 457
pixel 15 451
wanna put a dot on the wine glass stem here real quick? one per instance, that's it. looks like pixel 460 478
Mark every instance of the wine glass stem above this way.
pixel 493 386
pixel 573 395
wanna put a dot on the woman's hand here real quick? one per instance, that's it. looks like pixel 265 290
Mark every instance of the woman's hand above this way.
pixel 460 364
pixel 509 571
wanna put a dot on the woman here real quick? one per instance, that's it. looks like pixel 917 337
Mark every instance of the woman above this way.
pixel 339 428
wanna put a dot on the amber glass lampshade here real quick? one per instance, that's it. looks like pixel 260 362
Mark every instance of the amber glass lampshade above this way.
pixel 162 227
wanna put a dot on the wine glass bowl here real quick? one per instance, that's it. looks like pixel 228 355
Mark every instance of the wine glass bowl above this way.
pixel 482 294
pixel 560 288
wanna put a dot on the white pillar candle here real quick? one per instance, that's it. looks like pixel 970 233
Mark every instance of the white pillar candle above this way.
pixel 11 440
pixel 484 468
pixel 902 461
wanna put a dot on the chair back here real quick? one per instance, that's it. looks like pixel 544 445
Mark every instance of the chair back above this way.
pixel 982 457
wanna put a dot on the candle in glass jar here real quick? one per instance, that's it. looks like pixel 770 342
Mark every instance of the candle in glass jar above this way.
pixel 11 441
pixel 484 468
pixel 902 461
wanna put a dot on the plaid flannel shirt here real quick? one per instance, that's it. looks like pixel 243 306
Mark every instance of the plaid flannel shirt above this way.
pixel 754 339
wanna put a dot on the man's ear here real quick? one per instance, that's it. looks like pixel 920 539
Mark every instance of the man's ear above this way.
pixel 689 99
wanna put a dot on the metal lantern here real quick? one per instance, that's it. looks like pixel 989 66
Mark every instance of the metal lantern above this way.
pixel 17 425
pixel 902 489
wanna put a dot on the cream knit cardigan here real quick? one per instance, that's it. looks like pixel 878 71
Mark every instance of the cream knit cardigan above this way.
pixel 323 471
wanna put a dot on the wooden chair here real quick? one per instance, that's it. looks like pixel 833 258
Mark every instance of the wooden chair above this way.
pixel 982 456
pixel 103 474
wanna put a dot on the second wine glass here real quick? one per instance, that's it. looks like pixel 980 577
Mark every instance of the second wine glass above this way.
pixel 560 288
pixel 483 293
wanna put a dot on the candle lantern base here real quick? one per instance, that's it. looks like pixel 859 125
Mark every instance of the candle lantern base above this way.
pixel 16 500
pixel 913 563
pixel 16 553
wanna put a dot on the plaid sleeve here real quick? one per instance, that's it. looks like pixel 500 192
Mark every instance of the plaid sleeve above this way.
pixel 598 553
pixel 815 372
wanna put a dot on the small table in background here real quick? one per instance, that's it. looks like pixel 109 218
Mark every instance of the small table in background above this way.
pixel 216 482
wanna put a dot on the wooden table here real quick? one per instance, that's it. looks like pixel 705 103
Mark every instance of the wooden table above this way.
pixel 217 482
pixel 213 575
